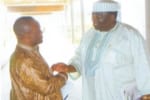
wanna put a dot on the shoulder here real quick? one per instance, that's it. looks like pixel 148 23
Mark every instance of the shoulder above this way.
pixel 20 57
pixel 130 30
pixel 133 35
pixel 128 27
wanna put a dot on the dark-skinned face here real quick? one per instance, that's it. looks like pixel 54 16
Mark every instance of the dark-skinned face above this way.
pixel 35 33
pixel 103 21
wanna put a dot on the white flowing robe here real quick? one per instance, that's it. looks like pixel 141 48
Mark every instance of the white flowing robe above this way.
pixel 113 62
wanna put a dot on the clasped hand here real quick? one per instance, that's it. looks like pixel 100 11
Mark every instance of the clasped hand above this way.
pixel 59 67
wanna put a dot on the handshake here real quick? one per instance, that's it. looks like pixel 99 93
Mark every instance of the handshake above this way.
pixel 62 68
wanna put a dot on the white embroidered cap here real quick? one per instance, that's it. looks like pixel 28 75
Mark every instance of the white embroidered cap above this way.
pixel 106 6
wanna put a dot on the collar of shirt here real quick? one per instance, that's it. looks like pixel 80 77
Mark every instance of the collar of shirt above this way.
pixel 28 48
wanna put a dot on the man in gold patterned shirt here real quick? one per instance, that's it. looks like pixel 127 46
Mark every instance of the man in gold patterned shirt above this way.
pixel 31 77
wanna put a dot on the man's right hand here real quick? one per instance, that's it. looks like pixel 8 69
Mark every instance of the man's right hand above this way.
pixel 60 67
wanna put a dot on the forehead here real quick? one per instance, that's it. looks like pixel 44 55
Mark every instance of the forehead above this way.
pixel 34 24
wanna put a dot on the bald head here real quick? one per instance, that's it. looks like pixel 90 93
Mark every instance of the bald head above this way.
pixel 23 25
pixel 28 31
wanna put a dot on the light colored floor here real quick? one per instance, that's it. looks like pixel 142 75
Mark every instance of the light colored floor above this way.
pixel 5 85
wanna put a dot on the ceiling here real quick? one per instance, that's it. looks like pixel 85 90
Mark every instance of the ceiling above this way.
pixel 35 6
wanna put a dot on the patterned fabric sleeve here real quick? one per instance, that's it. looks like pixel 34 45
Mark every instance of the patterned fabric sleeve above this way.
pixel 37 81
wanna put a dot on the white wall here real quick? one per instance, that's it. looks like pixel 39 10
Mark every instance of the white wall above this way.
pixel 133 13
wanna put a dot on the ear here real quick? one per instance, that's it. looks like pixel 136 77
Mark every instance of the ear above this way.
pixel 23 35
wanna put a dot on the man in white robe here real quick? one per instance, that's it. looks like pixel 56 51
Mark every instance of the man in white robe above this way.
pixel 112 58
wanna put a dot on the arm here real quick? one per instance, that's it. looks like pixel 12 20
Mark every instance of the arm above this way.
pixel 141 65
pixel 40 82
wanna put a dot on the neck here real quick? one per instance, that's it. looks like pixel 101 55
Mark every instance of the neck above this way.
pixel 25 42
pixel 28 47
